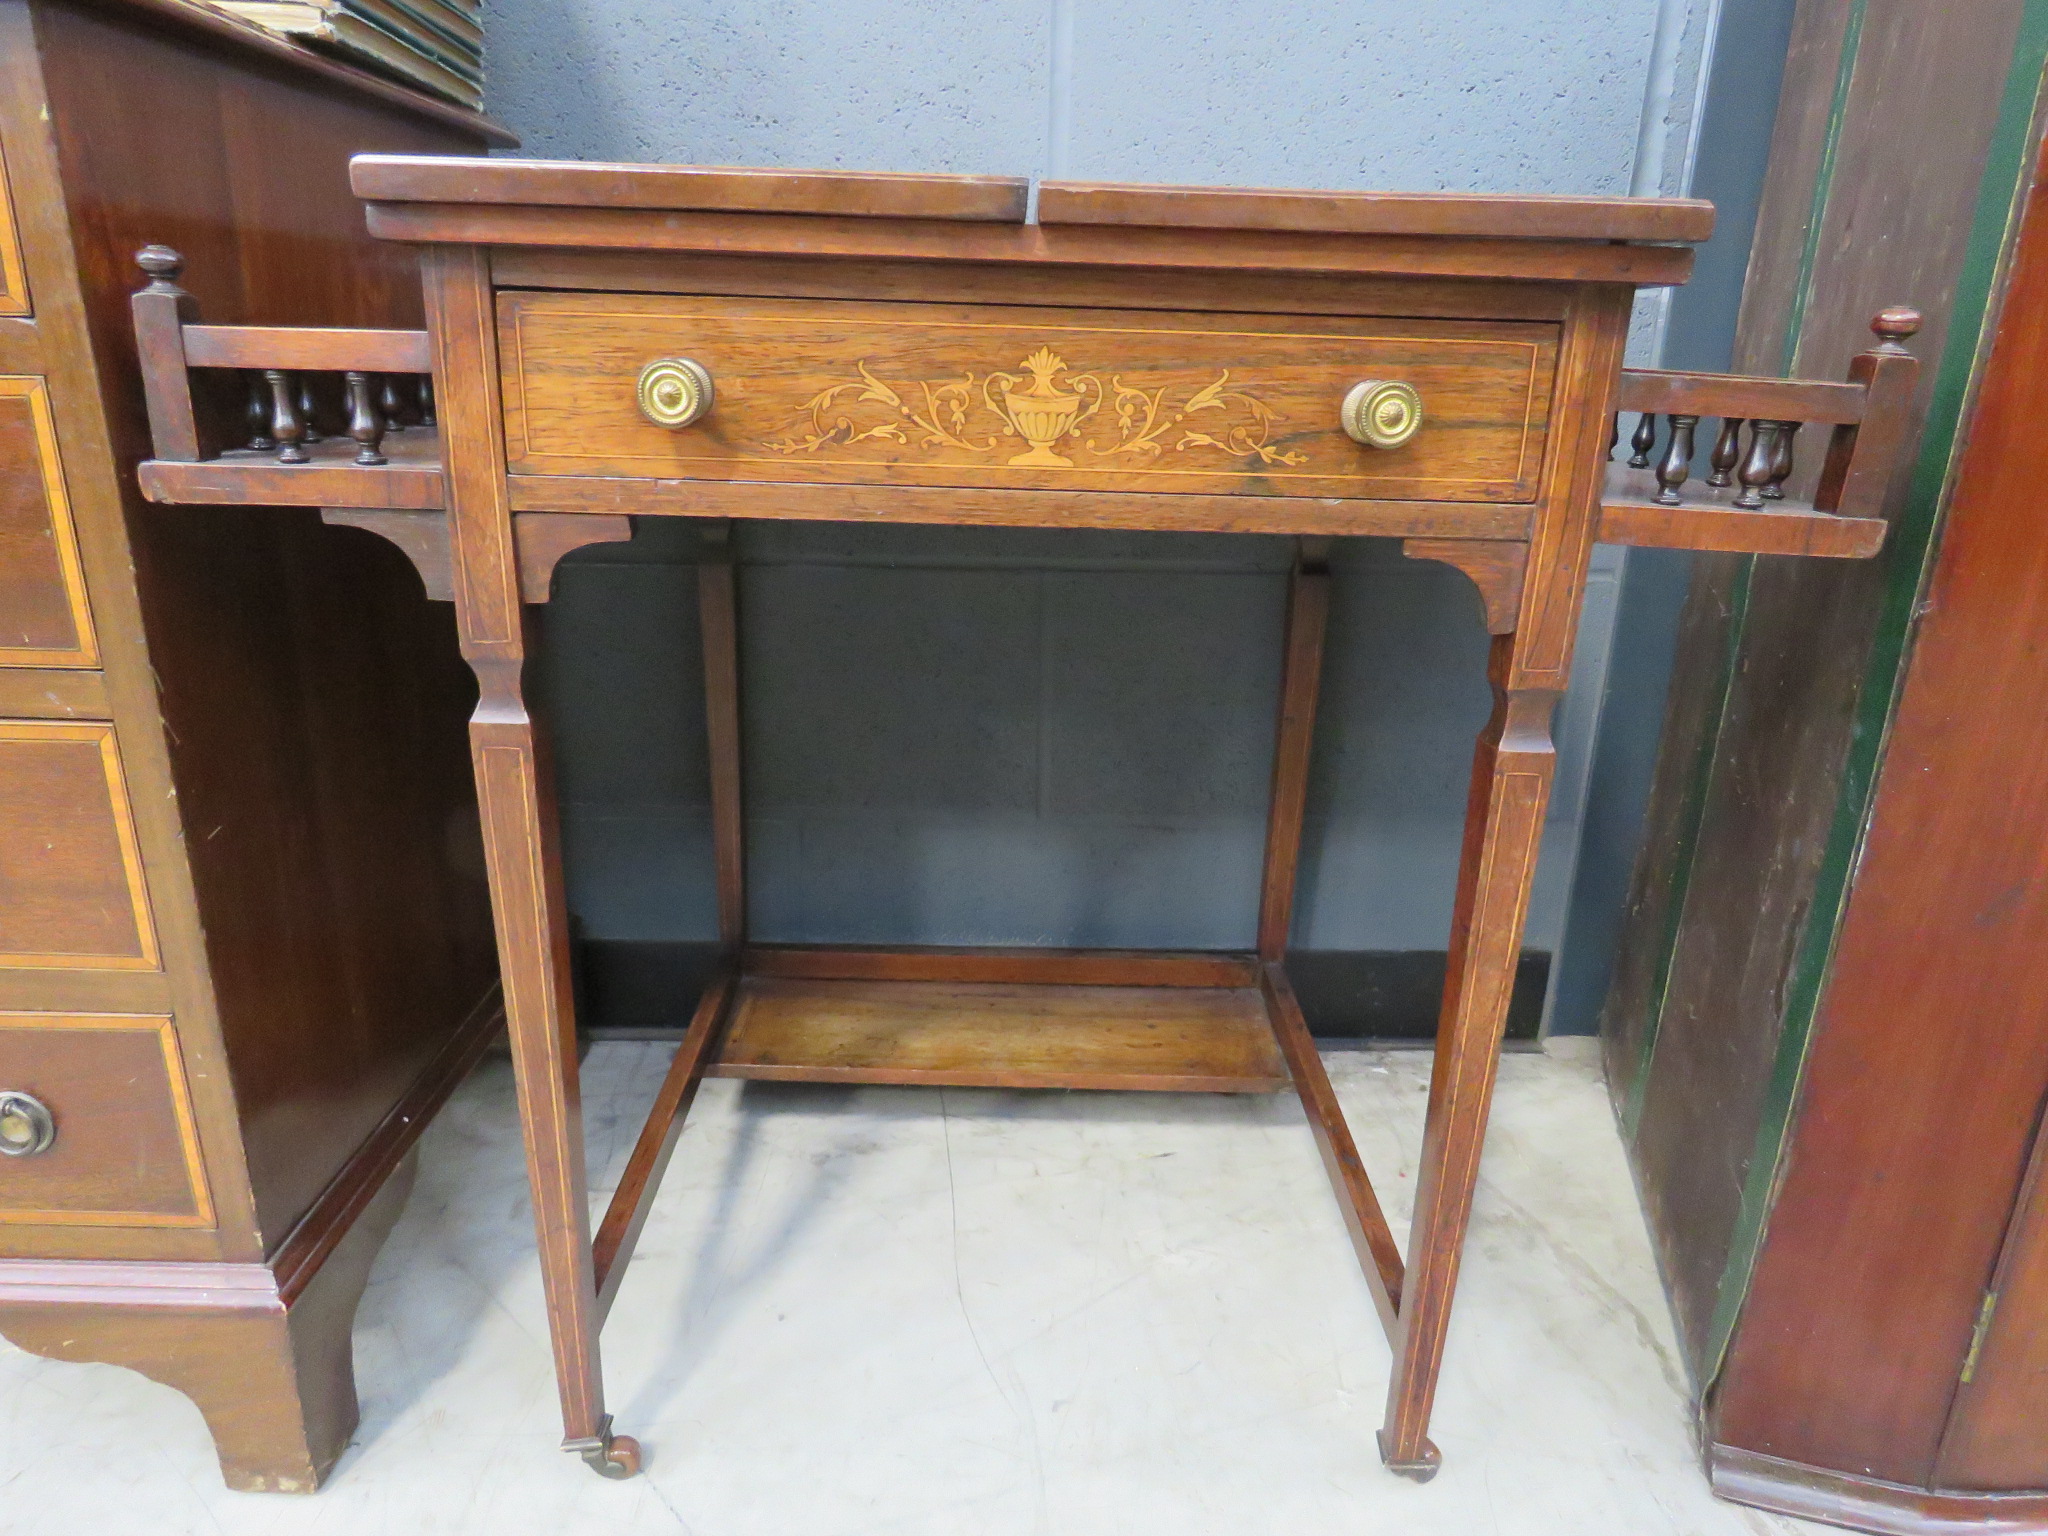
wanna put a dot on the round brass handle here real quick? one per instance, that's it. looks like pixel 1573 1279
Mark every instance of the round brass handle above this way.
pixel 675 391
pixel 26 1125
pixel 1382 413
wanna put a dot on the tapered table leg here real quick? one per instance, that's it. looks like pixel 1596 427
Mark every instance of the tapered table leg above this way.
pixel 515 795
pixel 1511 774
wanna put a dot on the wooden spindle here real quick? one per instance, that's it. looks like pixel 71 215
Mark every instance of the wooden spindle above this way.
pixel 390 403
pixel 258 414
pixel 1756 464
pixel 365 421
pixel 426 400
pixel 285 424
pixel 1614 434
pixel 1781 461
pixel 1727 449
pixel 1642 440
pixel 1676 467
pixel 309 412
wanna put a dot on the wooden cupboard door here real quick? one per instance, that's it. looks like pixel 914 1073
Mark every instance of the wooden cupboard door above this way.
pixel 1994 1438
pixel 71 885
pixel 123 1150
pixel 45 620
pixel 1025 397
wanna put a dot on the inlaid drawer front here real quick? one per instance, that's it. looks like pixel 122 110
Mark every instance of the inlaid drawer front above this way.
pixel 45 620
pixel 71 886
pixel 96 1124
pixel 986 396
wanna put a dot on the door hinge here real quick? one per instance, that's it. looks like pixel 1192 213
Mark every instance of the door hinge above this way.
pixel 1977 1334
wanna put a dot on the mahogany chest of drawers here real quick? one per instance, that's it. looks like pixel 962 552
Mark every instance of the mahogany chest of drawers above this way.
pixel 244 947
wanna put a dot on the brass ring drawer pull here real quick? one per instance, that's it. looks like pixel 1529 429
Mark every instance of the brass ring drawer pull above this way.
pixel 1382 413
pixel 26 1125
pixel 675 392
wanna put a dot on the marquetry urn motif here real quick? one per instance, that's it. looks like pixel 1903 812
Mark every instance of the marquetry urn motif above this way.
pixel 1048 413
pixel 1042 414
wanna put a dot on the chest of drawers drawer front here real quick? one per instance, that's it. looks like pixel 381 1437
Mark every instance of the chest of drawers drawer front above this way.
pixel 72 892
pixel 119 1147
pixel 45 620
pixel 1022 397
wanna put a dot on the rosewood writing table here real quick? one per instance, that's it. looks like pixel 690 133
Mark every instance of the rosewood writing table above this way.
pixel 665 341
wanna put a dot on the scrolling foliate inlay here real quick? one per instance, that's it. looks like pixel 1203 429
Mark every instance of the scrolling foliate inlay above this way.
pixel 1046 407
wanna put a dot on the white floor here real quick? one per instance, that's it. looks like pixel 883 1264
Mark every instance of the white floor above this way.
pixel 890 1310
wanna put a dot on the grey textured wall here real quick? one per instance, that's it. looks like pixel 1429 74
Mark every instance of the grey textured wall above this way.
pixel 1463 95
pixel 976 736
pixel 1740 107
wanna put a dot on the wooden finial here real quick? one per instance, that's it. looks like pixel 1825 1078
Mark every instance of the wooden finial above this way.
pixel 1894 325
pixel 163 266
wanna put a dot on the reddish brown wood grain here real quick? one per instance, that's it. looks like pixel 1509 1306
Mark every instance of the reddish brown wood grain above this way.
pixel 1868 1503
pixel 1020 509
pixel 814 391
pixel 45 616
pixel 627 1214
pixel 410 482
pixel 1498 568
pixel 1728 394
pixel 999 1034
pixel 595 184
pixel 1993 1436
pixel 1028 245
pixel 718 624
pixel 1528 217
pixel 1512 765
pixel 1379 1256
pixel 1301 674
pixel 1041 967
pixel 305 346
pixel 70 864
pixel 319 847
pixel 565 422
pixel 306 852
pixel 1929 1062
pixel 124 1152
pixel 791 275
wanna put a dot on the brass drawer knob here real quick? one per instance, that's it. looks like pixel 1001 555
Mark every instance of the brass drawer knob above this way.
pixel 26 1125
pixel 1382 413
pixel 675 391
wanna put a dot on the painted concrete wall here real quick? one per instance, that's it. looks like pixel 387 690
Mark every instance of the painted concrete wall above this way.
pixel 976 736
pixel 1738 108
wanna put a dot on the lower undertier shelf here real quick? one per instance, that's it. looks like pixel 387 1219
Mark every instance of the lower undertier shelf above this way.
pixel 979 1034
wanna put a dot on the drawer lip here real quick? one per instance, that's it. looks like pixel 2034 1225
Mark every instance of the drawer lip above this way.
pixel 1013 507
pixel 557 347
pixel 164 1027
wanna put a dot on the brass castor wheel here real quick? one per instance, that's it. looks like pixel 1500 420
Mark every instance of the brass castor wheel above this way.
pixel 608 1455
pixel 1421 1469
pixel 619 1459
